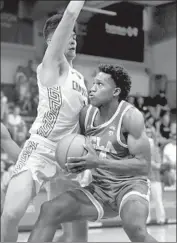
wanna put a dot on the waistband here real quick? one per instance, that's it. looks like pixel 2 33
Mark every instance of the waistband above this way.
pixel 43 141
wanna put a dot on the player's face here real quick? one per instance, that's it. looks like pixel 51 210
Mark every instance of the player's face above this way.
pixel 103 91
pixel 166 119
pixel 70 51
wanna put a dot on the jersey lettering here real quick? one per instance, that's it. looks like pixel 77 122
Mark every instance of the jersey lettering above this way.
pixel 103 148
pixel 78 88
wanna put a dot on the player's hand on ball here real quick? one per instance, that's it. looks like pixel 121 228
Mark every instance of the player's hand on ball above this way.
pixel 88 161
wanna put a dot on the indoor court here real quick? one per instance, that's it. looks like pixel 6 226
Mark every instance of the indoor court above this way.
pixel 166 233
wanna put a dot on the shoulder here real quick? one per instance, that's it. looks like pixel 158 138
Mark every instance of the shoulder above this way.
pixel 50 75
pixel 84 110
pixel 39 67
pixel 133 122
pixel 83 116
pixel 78 73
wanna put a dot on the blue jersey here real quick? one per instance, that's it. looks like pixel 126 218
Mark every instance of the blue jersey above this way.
pixel 109 142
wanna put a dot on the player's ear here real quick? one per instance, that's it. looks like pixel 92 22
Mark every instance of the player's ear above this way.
pixel 116 92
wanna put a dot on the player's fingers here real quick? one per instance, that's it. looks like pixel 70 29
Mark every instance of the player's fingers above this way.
pixel 75 159
pixel 75 165
pixel 77 170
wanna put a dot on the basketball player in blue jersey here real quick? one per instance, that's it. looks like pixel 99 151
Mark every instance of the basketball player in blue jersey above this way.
pixel 62 95
pixel 119 157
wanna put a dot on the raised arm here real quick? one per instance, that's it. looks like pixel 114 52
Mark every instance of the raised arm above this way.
pixel 8 145
pixel 54 60
pixel 60 38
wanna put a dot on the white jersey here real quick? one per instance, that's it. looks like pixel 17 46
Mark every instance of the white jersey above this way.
pixel 59 107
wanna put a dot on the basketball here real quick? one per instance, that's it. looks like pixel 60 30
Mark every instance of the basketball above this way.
pixel 69 146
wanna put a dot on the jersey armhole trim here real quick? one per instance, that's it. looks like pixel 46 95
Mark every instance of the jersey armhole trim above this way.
pixel 87 117
pixel 119 127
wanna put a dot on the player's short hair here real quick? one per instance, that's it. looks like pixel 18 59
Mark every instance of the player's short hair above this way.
pixel 120 77
pixel 51 25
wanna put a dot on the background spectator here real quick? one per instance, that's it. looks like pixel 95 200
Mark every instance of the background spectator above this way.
pixel 28 70
pixel 163 129
pixel 21 85
pixel 131 99
pixel 151 126
pixel 17 126
pixel 20 74
pixel 150 102
pixel 4 107
pixel 161 103
pixel 155 178
pixel 142 105
pixel 26 89
pixel 169 152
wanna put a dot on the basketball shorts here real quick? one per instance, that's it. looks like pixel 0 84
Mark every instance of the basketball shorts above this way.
pixel 110 202
pixel 60 185
pixel 38 156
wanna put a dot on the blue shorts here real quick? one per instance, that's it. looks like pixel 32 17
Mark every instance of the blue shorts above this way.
pixel 109 203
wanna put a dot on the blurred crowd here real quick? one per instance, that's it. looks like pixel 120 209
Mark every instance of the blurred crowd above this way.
pixel 160 122
pixel 26 91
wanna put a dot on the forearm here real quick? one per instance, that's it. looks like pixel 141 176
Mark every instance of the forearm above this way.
pixel 74 8
pixel 131 166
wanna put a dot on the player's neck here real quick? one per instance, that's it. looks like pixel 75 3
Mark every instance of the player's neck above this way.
pixel 70 61
pixel 108 110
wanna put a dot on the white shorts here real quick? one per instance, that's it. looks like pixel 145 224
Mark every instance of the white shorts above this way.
pixel 38 156
pixel 59 185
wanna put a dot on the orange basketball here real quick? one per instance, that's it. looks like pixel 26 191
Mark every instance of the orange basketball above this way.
pixel 69 146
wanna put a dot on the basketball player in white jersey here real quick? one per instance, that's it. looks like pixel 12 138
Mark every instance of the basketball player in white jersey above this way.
pixel 119 157
pixel 62 94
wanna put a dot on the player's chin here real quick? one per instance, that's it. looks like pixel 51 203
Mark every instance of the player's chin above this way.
pixel 72 52
pixel 93 102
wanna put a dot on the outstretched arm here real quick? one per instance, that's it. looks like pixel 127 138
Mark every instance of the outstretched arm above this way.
pixel 8 145
pixel 54 61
